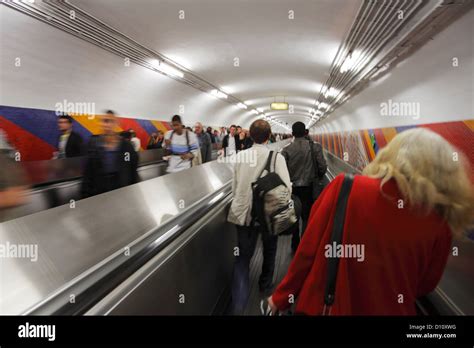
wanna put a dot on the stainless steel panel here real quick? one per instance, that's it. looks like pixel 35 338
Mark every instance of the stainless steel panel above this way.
pixel 54 195
pixel 50 195
pixel 337 166
pixel 74 243
pixel 455 292
pixel 152 171
pixel 187 278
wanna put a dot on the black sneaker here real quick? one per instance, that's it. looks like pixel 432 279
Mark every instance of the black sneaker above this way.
pixel 265 308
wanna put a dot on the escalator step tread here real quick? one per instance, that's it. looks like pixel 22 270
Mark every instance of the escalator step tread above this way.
pixel 282 262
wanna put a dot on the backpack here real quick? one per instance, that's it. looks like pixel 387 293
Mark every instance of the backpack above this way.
pixel 272 207
pixel 187 144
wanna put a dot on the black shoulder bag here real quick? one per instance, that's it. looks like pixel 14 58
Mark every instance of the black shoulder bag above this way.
pixel 336 237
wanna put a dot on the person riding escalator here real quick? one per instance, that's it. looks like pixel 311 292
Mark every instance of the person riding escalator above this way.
pixel 111 160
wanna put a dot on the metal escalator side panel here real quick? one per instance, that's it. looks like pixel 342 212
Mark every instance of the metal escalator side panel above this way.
pixel 71 241
pixel 187 277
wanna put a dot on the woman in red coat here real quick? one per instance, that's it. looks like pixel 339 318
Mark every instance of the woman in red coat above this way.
pixel 399 222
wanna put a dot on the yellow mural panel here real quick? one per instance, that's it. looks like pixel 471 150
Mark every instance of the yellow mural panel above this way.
pixel 160 126
pixel 91 123
pixel 470 124
pixel 389 133
pixel 369 144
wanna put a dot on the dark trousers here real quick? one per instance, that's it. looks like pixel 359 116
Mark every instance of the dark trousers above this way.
pixel 247 240
pixel 305 194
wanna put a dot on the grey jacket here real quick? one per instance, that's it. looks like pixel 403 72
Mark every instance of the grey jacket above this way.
pixel 300 164
pixel 248 165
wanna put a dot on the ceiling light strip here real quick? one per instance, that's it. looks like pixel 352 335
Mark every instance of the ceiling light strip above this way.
pixel 380 23
pixel 92 30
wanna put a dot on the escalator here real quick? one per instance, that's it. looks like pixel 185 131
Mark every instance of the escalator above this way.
pixel 157 238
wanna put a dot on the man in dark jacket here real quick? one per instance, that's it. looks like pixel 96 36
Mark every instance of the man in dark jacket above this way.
pixel 213 138
pixel 306 164
pixel 70 143
pixel 205 143
pixel 231 142
pixel 111 160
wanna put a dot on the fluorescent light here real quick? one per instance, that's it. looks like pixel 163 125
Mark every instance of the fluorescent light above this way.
pixel 168 69
pixel 165 68
pixel 279 106
pixel 379 71
pixel 218 94
pixel 350 62
pixel 255 112
pixel 242 105
pixel 332 92
pixel 323 106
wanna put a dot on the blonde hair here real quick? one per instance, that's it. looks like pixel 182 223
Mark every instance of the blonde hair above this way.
pixel 431 174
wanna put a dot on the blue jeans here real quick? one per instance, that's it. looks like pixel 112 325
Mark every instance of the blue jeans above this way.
pixel 247 240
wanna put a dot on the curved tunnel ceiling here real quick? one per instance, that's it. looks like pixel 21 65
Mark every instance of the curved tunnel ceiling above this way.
pixel 314 55
pixel 254 50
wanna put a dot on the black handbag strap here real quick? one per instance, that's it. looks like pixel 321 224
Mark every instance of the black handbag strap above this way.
pixel 267 165
pixel 336 237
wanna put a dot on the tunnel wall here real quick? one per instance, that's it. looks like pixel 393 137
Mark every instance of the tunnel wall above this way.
pixel 359 147
pixel 34 132
pixel 440 92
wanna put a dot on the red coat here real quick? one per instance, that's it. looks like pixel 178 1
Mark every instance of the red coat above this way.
pixel 404 254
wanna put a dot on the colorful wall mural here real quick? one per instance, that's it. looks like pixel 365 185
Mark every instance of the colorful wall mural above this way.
pixel 34 132
pixel 361 146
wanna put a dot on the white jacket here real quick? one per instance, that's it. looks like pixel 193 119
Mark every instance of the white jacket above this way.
pixel 248 165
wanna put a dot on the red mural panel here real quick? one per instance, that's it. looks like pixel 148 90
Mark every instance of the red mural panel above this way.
pixel 31 147
pixel 130 123
pixel 380 138
pixel 458 134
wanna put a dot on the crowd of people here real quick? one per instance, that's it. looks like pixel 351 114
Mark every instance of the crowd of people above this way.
pixel 184 146
pixel 111 163
pixel 401 212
